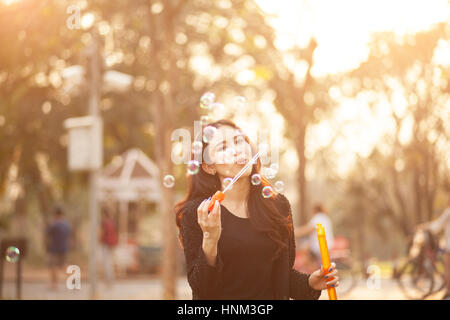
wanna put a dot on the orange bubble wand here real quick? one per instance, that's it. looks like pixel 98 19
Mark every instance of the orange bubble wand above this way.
pixel 325 257
pixel 220 195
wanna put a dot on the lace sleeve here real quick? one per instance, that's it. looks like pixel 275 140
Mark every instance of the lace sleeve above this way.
pixel 203 278
pixel 299 288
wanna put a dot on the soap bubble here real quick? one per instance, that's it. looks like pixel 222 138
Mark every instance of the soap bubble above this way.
pixel 256 179
pixel 192 167
pixel 267 192
pixel 274 167
pixel 12 254
pixel 197 147
pixel 168 181
pixel 227 181
pixel 208 133
pixel 268 173
pixel 207 100
pixel 239 102
pixel 204 120
pixel 279 186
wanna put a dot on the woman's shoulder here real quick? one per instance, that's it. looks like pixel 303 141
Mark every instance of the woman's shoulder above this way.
pixel 283 204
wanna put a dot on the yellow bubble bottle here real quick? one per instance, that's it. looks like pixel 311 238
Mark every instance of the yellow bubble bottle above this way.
pixel 325 257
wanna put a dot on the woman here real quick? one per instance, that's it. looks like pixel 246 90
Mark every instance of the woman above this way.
pixel 244 248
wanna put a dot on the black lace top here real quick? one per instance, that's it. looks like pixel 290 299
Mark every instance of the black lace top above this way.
pixel 243 269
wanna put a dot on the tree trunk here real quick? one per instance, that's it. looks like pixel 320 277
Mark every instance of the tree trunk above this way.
pixel 163 113
pixel 417 195
pixel 301 179
pixel 169 271
pixel 404 220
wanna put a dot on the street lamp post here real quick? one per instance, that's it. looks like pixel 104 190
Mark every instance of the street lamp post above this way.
pixel 94 93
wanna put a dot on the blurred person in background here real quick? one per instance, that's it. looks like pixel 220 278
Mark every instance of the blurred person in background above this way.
pixel 108 241
pixel 442 223
pixel 58 242
pixel 309 229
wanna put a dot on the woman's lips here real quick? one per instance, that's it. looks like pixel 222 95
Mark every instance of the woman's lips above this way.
pixel 241 161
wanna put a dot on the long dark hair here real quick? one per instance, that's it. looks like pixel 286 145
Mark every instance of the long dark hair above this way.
pixel 264 214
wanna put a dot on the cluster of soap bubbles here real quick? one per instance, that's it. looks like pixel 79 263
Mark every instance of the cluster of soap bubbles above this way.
pixel 12 254
pixel 267 191
pixel 268 173
pixel 193 167
pixel 208 102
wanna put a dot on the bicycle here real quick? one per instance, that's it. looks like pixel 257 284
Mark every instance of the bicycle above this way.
pixel 422 274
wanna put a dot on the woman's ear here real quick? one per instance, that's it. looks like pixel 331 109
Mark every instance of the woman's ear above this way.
pixel 208 168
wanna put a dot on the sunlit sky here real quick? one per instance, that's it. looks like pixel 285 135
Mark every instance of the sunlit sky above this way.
pixel 343 30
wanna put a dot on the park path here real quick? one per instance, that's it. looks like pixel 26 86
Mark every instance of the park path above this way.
pixel 36 287
pixel 150 289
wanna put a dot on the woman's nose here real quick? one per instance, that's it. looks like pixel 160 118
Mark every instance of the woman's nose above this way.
pixel 229 155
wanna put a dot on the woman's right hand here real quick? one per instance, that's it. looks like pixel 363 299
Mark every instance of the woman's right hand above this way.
pixel 210 223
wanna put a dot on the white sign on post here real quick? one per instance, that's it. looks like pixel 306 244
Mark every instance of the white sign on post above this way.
pixel 85 151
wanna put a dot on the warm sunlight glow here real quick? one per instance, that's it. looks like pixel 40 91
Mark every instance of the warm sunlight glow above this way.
pixel 9 2
pixel 343 30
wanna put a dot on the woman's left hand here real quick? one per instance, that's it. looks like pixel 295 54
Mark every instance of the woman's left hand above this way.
pixel 318 280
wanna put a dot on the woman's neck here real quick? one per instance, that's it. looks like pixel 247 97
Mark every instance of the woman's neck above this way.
pixel 239 192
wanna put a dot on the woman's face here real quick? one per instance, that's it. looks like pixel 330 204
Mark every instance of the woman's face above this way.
pixel 229 152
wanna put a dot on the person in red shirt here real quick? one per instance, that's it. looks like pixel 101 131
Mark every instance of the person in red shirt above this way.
pixel 108 240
